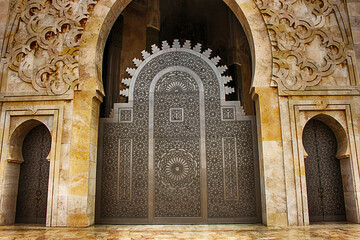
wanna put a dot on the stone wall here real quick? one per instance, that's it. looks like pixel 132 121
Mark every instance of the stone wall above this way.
pixel 306 57
pixel 353 7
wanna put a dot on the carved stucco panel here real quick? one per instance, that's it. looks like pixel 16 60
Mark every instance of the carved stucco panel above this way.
pixel 42 47
pixel 311 44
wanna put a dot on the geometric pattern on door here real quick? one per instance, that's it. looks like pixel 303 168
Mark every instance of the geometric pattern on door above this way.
pixel 177 152
pixel 323 174
pixel 32 196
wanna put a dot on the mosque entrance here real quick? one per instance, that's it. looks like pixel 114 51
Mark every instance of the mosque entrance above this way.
pixel 323 174
pixel 178 144
pixel 177 151
pixel 31 203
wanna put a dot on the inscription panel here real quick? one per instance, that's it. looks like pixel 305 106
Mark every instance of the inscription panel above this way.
pixel 125 115
pixel 228 113
pixel 176 114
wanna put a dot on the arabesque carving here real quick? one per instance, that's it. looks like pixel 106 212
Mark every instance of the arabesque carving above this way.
pixel 311 45
pixel 43 43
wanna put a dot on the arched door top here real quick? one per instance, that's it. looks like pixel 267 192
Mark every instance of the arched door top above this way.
pixel 176 47
pixel 338 130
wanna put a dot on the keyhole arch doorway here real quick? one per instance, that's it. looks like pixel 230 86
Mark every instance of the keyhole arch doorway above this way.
pixel 325 193
pixel 31 204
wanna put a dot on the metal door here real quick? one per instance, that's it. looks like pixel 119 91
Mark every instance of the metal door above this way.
pixel 177 151
pixel 323 173
pixel 176 133
pixel 34 175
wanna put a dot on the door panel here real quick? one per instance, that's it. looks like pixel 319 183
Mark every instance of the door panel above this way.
pixel 177 191
pixel 34 177
pixel 323 173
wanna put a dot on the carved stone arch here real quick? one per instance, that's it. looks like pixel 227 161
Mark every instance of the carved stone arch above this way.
pixel 345 172
pixel 92 45
pixel 100 22
pixel 17 138
pixel 340 134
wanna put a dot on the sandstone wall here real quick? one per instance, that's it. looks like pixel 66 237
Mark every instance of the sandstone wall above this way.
pixel 306 57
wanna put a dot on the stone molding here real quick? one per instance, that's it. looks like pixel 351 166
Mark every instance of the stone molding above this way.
pixel 330 112
pixel 16 117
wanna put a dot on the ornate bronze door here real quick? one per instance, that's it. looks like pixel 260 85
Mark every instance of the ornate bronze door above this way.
pixel 323 173
pixel 176 136
pixel 177 152
pixel 34 176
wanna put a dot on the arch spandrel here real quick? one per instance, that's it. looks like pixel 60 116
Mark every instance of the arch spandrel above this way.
pixel 17 136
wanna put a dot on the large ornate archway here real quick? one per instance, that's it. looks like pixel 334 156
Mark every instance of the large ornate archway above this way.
pixel 304 63
pixel 90 62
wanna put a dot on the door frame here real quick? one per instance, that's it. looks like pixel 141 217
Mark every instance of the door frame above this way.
pixel 18 121
pixel 338 115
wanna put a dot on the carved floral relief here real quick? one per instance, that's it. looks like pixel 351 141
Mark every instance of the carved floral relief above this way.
pixel 311 44
pixel 310 41
pixel 43 44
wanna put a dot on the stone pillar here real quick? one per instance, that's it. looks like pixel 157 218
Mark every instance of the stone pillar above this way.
pixel 273 197
pixel 82 166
